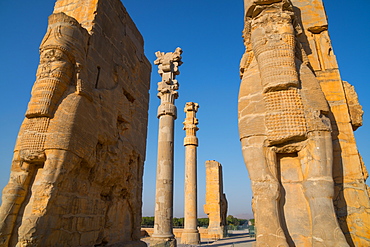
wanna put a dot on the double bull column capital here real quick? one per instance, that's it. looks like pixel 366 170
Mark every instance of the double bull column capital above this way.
pixel 168 67
pixel 168 64
pixel 190 124
pixel 190 234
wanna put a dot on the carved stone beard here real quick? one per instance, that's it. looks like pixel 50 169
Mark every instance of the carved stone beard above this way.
pixel 273 43
pixel 54 75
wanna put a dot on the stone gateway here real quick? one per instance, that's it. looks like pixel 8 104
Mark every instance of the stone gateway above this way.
pixel 296 122
pixel 76 175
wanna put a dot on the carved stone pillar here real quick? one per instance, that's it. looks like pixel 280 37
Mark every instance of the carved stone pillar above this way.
pixel 216 203
pixel 190 234
pixel 168 69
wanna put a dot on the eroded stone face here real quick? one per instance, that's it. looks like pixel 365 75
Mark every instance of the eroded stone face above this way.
pixel 76 176
pixel 289 132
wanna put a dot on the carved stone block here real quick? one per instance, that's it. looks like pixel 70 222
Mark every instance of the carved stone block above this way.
pixel 76 176
pixel 296 121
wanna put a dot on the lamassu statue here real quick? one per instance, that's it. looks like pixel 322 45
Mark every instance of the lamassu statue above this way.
pixel 285 132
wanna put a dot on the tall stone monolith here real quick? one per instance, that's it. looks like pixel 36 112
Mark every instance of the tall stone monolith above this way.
pixel 76 175
pixel 190 235
pixel 296 122
pixel 216 203
pixel 168 64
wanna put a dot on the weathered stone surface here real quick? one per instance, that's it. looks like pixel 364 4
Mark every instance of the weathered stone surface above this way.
pixel 354 107
pixel 168 64
pixel 345 115
pixel 295 124
pixel 76 176
pixel 190 234
pixel 216 203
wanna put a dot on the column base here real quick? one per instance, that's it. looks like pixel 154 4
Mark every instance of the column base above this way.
pixel 190 237
pixel 162 242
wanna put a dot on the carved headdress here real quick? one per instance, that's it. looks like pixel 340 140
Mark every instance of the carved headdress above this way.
pixel 62 51
pixel 65 33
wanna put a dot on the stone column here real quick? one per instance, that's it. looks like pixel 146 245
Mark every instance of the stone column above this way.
pixel 168 69
pixel 190 235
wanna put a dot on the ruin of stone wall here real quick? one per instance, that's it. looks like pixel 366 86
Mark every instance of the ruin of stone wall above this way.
pixel 216 203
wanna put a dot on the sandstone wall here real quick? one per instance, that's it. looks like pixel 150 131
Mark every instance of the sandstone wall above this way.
pixel 76 180
pixel 351 198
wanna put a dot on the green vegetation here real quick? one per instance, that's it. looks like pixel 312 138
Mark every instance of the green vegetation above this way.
pixel 147 221
pixel 178 222
pixel 231 221
pixel 203 222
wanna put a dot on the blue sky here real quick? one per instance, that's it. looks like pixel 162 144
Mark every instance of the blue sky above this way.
pixel 209 32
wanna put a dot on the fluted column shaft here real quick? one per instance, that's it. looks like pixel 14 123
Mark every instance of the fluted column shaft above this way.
pixel 190 215
pixel 168 69
pixel 164 183
pixel 190 234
